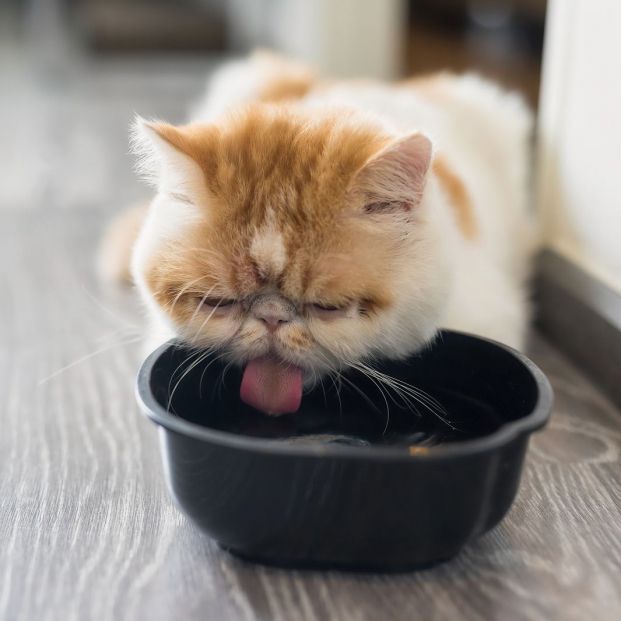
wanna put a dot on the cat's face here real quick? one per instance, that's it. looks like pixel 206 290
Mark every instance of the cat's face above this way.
pixel 308 242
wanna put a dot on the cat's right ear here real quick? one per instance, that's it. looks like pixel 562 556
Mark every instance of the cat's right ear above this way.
pixel 393 180
pixel 164 155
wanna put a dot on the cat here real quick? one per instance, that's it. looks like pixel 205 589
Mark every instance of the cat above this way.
pixel 302 226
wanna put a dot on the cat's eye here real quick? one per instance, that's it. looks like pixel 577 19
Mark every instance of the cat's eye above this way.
pixel 326 307
pixel 387 207
pixel 217 304
pixel 328 311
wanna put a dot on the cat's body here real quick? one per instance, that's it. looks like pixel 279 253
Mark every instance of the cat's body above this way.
pixel 339 223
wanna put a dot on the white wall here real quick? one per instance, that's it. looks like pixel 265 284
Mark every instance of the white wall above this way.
pixel 580 134
pixel 345 38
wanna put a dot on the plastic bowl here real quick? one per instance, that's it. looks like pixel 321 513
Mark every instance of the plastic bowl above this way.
pixel 355 479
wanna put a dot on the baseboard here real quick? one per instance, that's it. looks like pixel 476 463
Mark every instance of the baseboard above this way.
pixel 582 317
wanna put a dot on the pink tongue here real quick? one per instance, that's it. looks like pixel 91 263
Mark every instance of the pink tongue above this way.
pixel 271 386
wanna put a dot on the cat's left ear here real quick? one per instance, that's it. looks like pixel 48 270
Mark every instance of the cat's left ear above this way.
pixel 393 180
pixel 164 155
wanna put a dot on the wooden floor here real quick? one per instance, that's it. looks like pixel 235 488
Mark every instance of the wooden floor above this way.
pixel 87 530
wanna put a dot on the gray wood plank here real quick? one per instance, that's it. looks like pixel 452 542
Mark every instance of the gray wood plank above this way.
pixel 87 530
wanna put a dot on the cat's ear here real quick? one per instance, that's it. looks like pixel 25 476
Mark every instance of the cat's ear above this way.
pixel 393 180
pixel 164 155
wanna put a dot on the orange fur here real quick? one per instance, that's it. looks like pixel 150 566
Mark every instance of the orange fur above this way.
pixel 285 89
pixel 285 80
pixel 459 198
pixel 266 168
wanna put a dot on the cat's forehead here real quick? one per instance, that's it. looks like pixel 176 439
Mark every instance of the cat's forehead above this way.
pixel 278 186
pixel 271 161
pixel 304 263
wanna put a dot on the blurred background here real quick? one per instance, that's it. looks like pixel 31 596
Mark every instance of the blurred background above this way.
pixel 77 70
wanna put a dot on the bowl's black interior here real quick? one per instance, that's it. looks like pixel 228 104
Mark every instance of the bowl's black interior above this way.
pixel 461 387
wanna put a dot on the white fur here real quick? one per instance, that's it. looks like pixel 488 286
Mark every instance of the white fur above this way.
pixel 472 285
pixel 268 249
pixel 242 81
pixel 163 166
pixel 166 221
pixel 483 132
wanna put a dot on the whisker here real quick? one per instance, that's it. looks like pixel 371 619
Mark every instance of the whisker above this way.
pixel 380 390
pixel 183 290
pixel 407 403
pixel 323 390
pixel 423 398
pixel 337 389
pixel 332 373
pixel 200 304
pixel 360 392
pixel 200 384
pixel 197 361
pixel 370 372
pixel 200 329
pixel 117 317
pixel 192 355
pixel 88 356
pixel 222 380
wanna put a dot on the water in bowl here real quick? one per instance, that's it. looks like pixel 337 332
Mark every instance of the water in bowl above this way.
pixel 354 412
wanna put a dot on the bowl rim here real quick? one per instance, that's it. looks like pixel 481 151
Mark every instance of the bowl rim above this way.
pixel 539 416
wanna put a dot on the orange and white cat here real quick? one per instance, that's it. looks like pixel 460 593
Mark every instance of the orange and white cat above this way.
pixel 302 226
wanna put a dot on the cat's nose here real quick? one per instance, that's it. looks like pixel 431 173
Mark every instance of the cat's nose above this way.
pixel 273 310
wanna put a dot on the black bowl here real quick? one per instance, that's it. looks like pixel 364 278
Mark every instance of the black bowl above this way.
pixel 354 479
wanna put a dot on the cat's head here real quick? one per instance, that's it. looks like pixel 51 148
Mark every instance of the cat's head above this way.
pixel 291 243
